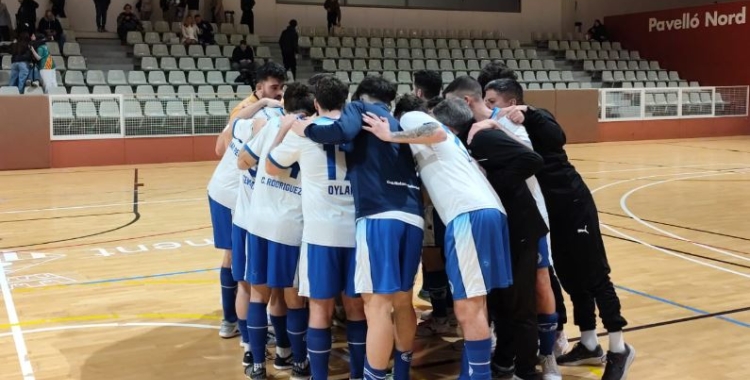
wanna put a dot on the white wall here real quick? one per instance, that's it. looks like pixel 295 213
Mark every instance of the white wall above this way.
pixel 272 18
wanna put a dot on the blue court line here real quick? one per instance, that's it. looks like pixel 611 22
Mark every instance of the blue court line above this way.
pixel 121 279
pixel 694 310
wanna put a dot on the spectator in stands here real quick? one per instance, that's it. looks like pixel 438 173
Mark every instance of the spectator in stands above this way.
pixel 217 11
pixel 169 10
pixel 494 70
pixel 127 21
pixel 26 16
pixel 205 31
pixel 189 31
pixel 52 29
pixel 242 56
pixel 193 7
pixel 145 8
pixel 248 17
pixel 21 60
pixel 5 22
pixel 289 48
pixel 333 11
pixel 102 6
pixel 58 8
pixel 598 32
pixel 45 66
pixel 427 84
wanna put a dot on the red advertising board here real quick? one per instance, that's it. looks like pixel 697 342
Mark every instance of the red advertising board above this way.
pixel 710 44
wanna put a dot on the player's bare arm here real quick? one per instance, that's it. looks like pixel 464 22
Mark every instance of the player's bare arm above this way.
pixel 246 160
pixel 286 124
pixel 429 133
pixel 254 108
pixel 299 126
pixel 222 142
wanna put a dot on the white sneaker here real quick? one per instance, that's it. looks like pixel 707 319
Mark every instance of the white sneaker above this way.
pixel 550 370
pixel 229 329
pixel 561 344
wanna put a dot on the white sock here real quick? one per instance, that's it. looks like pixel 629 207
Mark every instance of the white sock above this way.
pixel 616 342
pixel 589 339
pixel 283 352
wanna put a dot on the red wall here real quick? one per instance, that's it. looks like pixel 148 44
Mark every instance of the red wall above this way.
pixel 712 55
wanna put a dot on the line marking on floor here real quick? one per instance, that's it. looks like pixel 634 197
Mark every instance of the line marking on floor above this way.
pixel 15 329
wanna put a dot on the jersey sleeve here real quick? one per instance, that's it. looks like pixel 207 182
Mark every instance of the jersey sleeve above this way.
pixel 287 153
pixel 414 120
pixel 341 131
pixel 255 146
pixel 498 152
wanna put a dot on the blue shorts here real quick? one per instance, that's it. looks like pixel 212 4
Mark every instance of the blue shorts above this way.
pixel 545 259
pixel 387 256
pixel 325 272
pixel 477 251
pixel 239 253
pixel 270 263
pixel 221 220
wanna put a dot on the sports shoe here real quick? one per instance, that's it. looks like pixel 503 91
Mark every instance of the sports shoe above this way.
pixel 503 373
pixel 339 317
pixel 270 338
pixel 301 371
pixel 256 372
pixel 619 363
pixel 247 358
pixel 424 295
pixel 561 344
pixel 550 371
pixel 580 355
pixel 229 329
pixel 433 327
pixel 283 363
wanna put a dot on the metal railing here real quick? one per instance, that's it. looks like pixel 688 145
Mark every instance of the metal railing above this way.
pixel 623 104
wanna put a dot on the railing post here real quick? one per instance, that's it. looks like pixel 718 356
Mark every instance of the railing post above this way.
pixel 713 101
pixel 679 102
pixel 643 103
pixel 603 97
pixel 121 100
pixel 191 112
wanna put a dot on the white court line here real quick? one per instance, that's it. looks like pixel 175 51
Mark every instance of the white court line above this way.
pixel 624 206
pixel 641 168
pixel 102 206
pixel 127 324
pixel 663 175
pixel 23 354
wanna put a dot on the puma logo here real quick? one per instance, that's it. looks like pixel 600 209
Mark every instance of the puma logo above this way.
pixel 584 230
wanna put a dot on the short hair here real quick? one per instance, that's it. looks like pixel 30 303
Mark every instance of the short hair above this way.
pixel 464 85
pixel 271 70
pixel 507 87
pixel 377 88
pixel 409 103
pixel 243 42
pixel 293 23
pixel 495 70
pixel 434 101
pixel 331 93
pixel 299 98
pixel 429 81
pixel 454 113
pixel 313 80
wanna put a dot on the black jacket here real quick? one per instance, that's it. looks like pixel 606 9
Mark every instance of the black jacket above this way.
pixel 288 41
pixel 54 25
pixel 238 55
pixel 247 5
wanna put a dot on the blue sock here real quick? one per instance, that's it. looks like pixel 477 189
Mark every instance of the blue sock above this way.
pixel 228 294
pixel 547 333
pixel 243 330
pixel 257 326
pixel 437 284
pixel 319 349
pixel 464 372
pixel 279 328
pixel 297 329
pixel 374 374
pixel 356 335
pixel 478 354
pixel 401 365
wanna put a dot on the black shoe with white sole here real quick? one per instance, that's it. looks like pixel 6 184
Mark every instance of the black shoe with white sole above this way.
pixel 247 358
pixel 618 364
pixel 580 355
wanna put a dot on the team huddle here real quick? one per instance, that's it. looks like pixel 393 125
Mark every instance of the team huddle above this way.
pixel 318 202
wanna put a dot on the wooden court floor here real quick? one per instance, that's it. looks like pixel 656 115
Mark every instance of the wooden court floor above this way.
pixel 95 288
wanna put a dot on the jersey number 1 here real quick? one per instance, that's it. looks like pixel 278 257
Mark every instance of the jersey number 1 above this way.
pixel 335 157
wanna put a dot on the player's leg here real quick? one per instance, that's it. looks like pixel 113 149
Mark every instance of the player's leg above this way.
pixel 561 340
pixel 239 266
pixel 260 297
pixel 546 315
pixel 221 220
pixel 436 283
pixel 313 269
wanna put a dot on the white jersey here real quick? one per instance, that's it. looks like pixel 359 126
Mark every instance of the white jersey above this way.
pixel 327 202
pixel 223 186
pixel 276 201
pixel 454 182
pixel 523 135
pixel 245 180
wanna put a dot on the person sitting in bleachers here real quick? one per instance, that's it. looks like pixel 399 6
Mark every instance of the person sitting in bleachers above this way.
pixel 44 68
pixel 52 29
pixel 205 31
pixel 189 31
pixel 598 32
pixel 242 56
pixel 127 21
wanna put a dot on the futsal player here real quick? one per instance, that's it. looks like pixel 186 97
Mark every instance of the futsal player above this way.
pixel 577 245
pixel 476 238
pixel 388 206
pixel 469 90
pixel 327 259
pixel 273 246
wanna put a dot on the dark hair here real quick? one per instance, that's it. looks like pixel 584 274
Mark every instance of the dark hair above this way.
pixel 455 114
pixel 507 87
pixel 409 103
pixel 313 80
pixel 434 102
pixel 495 70
pixel 293 23
pixel 243 42
pixel 464 85
pixel 126 6
pixel 377 88
pixel 429 81
pixel 271 70
pixel 298 97
pixel 331 93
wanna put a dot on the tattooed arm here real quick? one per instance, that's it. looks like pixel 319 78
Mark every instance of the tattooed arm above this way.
pixel 428 133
